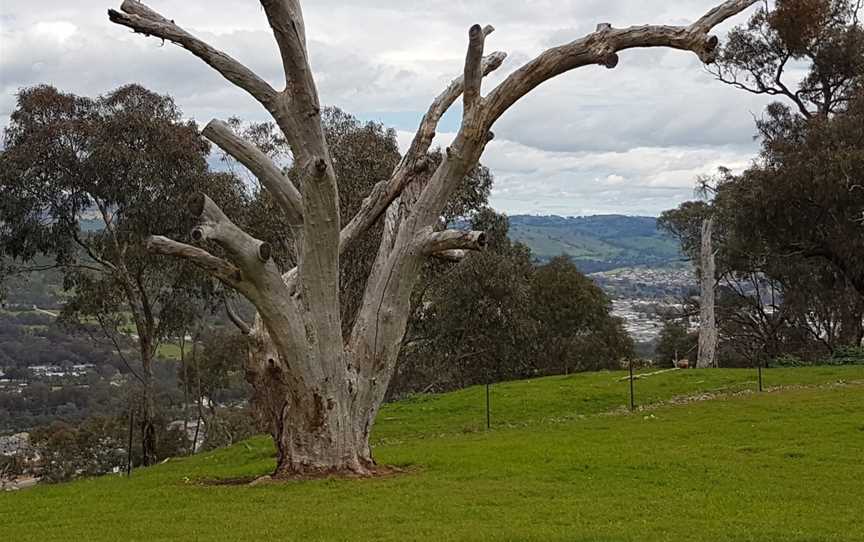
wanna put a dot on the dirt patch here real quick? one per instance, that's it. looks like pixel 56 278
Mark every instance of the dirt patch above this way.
pixel 730 394
pixel 380 471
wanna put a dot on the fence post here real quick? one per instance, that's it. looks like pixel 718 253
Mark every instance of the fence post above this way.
pixel 129 447
pixel 759 370
pixel 488 413
pixel 632 397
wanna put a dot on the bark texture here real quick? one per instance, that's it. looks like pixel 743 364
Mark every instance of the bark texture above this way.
pixel 318 392
pixel 707 315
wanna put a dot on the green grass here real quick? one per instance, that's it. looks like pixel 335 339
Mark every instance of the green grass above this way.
pixel 779 466
pixel 168 350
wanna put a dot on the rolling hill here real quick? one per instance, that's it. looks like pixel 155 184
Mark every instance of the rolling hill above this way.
pixel 710 460
pixel 597 243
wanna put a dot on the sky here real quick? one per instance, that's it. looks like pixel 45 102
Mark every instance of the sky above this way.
pixel 632 140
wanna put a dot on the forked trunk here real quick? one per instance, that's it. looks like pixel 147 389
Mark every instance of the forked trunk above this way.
pixel 315 438
pixel 319 394
pixel 318 430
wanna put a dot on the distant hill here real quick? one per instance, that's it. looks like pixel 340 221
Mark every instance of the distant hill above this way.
pixel 597 243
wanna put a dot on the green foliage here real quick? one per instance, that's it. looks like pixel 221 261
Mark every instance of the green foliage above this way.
pixel 496 316
pixel 788 229
pixel 470 322
pixel 215 368
pixel 131 161
pixel 94 448
pixel 575 331
pixel 675 342
pixel 824 35
pixel 363 153
pixel 127 159
pixel 789 360
pixel 548 471
pixel 848 355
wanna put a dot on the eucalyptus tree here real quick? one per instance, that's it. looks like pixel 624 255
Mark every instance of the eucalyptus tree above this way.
pixel 362 154
pixel 86 181
pixel 325 386
pixel 825 36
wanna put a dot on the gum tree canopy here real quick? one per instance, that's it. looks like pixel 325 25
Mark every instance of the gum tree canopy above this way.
pixel 321 389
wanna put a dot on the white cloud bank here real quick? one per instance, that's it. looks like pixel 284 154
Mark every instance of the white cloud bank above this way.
pixel 630 140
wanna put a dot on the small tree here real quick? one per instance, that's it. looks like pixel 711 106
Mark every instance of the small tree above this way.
pixel 825 35
pixel 87 181
pixel 707 317
pixel 327 385
pixel 575 330
pixel 471 322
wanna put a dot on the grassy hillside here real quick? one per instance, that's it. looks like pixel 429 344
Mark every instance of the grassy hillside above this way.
pixel 561 463
pixel 597 243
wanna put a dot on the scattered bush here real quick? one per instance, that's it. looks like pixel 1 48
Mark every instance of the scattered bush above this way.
pixel 848 355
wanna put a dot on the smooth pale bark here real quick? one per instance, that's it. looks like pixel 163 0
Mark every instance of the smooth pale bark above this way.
pixel 707 317
pixel 317 391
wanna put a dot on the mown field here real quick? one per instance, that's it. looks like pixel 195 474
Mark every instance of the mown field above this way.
pixel 563 461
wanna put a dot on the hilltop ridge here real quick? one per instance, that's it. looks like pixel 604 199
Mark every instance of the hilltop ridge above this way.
pixel 598 242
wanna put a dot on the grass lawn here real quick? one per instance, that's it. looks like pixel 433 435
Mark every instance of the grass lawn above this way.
pixel 168 350
pixel 786 465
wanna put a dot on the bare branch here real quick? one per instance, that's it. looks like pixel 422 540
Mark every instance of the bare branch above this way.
pixel 441 241
pixel 142 19
pixel 602 46
pixel 235 318
pixel 429 124
pixel 286 20
pixel 89 250
pixel 473 75
pixel 455 255
pixel 414 161
pixel 279 186
pixel 219 268
pixel 720 14
pixel 245 250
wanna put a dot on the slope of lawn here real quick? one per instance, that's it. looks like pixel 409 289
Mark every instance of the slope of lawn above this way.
pixel 787 465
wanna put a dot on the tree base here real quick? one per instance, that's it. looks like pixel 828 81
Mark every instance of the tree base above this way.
pixel 354 469
pixel 376 471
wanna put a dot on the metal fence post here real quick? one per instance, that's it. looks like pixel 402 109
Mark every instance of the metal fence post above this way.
pixel 488 412
pixel 759 370
pixel 632 397
pixel 129 447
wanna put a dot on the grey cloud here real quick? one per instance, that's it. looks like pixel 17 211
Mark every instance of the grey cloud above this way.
pixel 653 122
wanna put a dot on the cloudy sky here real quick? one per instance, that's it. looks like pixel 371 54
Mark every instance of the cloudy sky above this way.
pixel 630 140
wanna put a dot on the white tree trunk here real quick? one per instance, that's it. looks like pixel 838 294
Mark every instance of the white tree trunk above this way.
pixel 707 317
pixel 317 392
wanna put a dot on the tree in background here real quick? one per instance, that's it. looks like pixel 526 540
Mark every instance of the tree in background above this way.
pixel 789 227
pixel 575 331
pixel 675 343
pixel 331 382
pixel 471 320
pixel 87 181
pixel 825 35
pixel 707 351
pixel 363 153
pixel 213 370
pixel 497 316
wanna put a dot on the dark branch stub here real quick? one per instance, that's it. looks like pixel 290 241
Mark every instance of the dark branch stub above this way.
pixel 482 241
pixel 196 205
pixel 264 252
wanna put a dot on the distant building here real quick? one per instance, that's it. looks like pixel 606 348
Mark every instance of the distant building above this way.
pixel 17 444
